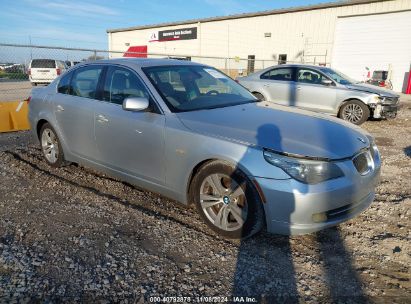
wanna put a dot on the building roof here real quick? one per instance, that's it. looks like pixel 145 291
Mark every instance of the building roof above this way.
pixel 141 62
pixel 248 15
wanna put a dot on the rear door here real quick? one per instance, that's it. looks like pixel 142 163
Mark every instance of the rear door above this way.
pixel 129 142
pixel 43 70
pixel 74 109
pixel 279 86
pixel 313 94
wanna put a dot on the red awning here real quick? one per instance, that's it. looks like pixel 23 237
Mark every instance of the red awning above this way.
pixel 136 51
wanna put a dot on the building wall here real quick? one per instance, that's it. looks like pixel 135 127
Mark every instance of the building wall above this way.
pixel 306 36
pixel 378 42
pixel 291 34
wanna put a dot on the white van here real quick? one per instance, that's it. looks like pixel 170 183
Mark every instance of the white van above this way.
pixel 45 70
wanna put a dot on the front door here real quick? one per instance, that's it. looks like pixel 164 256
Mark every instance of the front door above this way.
pixel 313 93
pixel 129 142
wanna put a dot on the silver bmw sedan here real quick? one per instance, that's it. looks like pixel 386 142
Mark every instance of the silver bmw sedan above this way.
pixel 190 133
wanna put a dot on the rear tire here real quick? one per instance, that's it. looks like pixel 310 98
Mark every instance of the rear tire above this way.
pixel 227 200
pixel 50 146
pixel 259 96
pixel 354 111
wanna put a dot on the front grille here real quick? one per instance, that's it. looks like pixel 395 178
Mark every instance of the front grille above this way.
pixel 363 162
pixel 390 100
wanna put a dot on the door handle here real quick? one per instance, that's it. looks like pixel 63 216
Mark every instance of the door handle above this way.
pixel 60 108
pixel 298 88
pixel 101 118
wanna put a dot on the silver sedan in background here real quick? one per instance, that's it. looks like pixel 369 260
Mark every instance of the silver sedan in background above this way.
pixel 322 89
pixel 189 132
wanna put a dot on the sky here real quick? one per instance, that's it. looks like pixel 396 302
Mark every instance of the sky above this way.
pixel 84 23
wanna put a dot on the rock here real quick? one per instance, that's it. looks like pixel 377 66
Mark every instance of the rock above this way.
pixel 396 249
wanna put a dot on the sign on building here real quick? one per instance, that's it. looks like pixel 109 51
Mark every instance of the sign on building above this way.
pixel 178 34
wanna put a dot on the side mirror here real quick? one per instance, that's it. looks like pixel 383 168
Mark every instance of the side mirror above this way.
pixel 136 104
pixel 327 82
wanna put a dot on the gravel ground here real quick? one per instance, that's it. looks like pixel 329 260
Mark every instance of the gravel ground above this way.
pixel 74 235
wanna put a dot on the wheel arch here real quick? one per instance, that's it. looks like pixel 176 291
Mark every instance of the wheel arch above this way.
pixel 199 165
pixel 39 125
pixel 193 173
pixel 348 100
pixel 41 122
pixel 258 92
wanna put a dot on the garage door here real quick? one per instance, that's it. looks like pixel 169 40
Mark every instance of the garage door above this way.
pixel 379 42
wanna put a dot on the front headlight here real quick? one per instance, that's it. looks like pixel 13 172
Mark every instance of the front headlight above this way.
pixel 377 99
pixel 374 150
pixel 303 170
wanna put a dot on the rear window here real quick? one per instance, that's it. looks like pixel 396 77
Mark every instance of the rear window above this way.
pixel 85 80
pixel 43 63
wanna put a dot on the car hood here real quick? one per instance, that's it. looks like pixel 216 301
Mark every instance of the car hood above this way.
pixel 279 128
pixel 365 87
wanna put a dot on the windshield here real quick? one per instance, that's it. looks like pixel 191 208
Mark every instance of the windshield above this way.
pixel 191 88
pixel 338 76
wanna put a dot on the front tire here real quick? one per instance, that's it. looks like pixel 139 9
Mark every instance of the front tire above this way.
pixel 227 201
pixel 50 146
pixel 354 111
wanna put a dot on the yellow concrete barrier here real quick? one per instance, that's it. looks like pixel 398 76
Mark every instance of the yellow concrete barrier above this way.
pixel 13 116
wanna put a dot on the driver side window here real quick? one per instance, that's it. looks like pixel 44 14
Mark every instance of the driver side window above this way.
pixel 121 83
pixel 310 76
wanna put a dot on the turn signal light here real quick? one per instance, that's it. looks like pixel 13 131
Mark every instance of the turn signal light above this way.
pixel 319 217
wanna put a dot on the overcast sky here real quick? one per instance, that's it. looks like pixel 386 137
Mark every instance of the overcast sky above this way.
pixel 84 23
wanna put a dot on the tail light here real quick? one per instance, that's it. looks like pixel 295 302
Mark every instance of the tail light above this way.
pixel 29 72
pixel 28 99
pixel 58 71
pixel 381 83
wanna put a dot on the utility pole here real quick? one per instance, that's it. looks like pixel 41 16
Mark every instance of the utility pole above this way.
pixel 31 49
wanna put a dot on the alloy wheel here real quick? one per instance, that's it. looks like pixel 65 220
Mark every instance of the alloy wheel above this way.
pixel 223 201
pixel 49 145
pixel 352 113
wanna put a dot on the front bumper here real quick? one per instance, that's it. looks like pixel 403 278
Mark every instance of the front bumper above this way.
pixel 389 111
pixel 386 110
pixel 294 208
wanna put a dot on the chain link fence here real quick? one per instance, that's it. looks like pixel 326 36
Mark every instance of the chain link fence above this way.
pixel 16 77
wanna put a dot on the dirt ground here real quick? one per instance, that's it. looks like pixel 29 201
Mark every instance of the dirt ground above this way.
pixel 74 235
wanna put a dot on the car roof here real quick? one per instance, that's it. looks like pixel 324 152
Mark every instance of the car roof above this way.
pixel 289 65
pixel 144 62
pixel 299 65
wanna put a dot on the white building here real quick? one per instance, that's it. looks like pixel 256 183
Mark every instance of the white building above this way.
pixel 349 35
